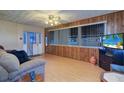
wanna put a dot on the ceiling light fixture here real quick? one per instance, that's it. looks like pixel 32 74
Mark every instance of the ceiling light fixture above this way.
pixel 53 20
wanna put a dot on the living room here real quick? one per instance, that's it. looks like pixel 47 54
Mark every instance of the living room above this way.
pixel 62 46
pixel 59 46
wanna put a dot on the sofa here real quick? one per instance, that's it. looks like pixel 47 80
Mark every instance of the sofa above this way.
pixel 12 71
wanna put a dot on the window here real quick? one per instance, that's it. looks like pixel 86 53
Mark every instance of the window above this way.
pixel 32 37
pixel 51 37
pixel 91 35
pixel 39 38
pixel 54 37
pixel 46 40
pixel 24 38
pixel 63 36
pixel 73 36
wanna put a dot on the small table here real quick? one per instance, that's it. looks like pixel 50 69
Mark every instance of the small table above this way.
pixel 112 77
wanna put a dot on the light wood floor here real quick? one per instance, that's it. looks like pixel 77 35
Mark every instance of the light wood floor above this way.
pixel 61 69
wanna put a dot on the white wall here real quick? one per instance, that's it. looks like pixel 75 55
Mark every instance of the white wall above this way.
pixel 10 34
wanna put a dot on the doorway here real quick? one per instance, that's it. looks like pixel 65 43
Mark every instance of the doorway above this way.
pixel 32 43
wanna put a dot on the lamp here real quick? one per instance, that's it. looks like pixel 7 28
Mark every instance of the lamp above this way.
pixel 53 20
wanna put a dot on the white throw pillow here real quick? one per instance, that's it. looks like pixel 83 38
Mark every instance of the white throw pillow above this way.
pixel 3 74
pixel 9 62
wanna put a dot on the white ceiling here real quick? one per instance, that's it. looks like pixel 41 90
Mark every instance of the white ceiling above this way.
pixel 38 17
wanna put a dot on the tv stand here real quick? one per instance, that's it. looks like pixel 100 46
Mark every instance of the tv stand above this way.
pixel 105 62
pixel 110 56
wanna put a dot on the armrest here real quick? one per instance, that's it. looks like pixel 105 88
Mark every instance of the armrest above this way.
pixel 31 64
pixel 27 67
pixel 3 74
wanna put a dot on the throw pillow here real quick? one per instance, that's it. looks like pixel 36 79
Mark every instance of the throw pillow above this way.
pixel 21 55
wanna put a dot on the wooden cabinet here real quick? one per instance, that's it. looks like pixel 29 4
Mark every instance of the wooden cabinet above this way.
pixel 78 53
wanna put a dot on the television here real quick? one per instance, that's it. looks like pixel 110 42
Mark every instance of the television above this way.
pixel 114 41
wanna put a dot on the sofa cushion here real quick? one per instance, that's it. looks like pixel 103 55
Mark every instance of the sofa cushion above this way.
pixel 3 74
pixel 9 62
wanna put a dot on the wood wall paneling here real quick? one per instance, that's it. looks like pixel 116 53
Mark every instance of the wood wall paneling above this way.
pixel 77 53
pixel 115 24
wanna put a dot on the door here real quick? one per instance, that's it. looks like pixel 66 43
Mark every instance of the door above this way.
pixel 40 49
pixel 32 43
pixel 25 41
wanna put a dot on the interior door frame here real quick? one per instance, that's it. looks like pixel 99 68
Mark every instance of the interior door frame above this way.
pixel 33 47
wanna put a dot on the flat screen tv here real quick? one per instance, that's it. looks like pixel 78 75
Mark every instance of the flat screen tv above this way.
pixel 114 41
